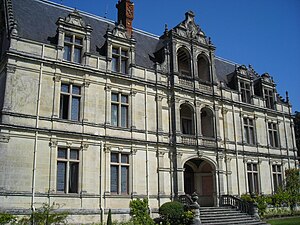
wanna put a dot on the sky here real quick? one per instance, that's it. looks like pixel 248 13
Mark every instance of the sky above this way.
pixel 263 33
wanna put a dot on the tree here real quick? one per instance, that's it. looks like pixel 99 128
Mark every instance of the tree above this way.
pixel 297 130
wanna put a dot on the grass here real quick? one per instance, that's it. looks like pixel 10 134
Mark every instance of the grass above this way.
pixel 285 221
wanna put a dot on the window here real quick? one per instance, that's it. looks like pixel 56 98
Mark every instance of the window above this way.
pixel 245 92
pixel 277 176
pixel 249 131
pixel 184 62
pixel 269 99
pixel 252 178
pixel 203 68
pixel 119 60
pixel 273 134
pixel 67 170
pixel 207 122
pixel 72 48
pixel 119 173
pixel 186 117
pixel 119 110
pixel 70 102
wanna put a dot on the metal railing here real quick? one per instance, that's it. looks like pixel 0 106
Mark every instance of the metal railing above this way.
pixel 239 204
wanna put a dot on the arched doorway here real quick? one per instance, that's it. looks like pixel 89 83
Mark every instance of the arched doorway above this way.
pixel 199 177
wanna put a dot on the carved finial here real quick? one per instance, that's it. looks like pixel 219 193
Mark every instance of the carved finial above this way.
pixel 14 30
pixel 166 28
pixel 209 40
pixel 287 96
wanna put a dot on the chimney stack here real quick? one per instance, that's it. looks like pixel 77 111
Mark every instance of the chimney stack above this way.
pixel 126 14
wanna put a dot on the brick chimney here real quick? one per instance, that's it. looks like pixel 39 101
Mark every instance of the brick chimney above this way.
pixel 126 14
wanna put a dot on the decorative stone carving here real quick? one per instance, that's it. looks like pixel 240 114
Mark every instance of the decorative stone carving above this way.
pixel 120 31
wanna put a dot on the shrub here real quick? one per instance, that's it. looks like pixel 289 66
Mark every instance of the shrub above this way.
pixel 174 213
pixel 6 218
pixel 109 221
pixel 139 212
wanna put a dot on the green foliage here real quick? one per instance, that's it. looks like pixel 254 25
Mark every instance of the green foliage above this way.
pixel 173 213
pixel 280 198
pixel 6 218
pixel 286 221
pixel 139 212
pixel 109 221
pixel 292 185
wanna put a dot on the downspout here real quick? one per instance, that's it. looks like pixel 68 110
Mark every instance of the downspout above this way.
pixel 100 183
pixel 147 145
pixel 36 133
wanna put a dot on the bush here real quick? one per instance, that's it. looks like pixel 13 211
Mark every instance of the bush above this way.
pixel 139 212
pixel 6 218
pixel 173 213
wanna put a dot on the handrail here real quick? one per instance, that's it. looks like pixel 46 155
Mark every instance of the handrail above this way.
pixel 239 204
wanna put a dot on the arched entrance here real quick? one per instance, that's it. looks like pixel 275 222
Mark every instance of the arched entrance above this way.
pixel 199 177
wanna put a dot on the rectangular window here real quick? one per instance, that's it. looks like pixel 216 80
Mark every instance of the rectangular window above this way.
pixel 119 60
pixel 70 96
pixel 252 173
pixel 72 48
pixel 277 176
pixel 269 99
pixel 249 131
pixel 67 170
pixel 119 177
pixel 245 92
pixel 119 110
pixel 273 135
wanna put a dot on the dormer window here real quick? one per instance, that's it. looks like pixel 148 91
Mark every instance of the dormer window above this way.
pixel 119 61
pixel 72 48
pixel 203 68
pixel 245 92
pixel 269 98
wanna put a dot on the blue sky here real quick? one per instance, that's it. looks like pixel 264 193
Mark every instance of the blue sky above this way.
pixel 263 33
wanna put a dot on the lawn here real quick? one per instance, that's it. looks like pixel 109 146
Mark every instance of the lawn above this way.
pixel 285 221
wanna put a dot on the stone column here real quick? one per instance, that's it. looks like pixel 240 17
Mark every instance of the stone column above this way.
pixel 221 174
pixel 107 150
pixel 229 174
pixel 180 175
pixel 8 98
pixel 56 94
pixel 161 171
pixel 159 113
pixel 52 159
pixel 85 100
pixel 198 115
pixel 83 161
pixel 132 109
pixel 133 172
pixel 177 115
pixel 217 125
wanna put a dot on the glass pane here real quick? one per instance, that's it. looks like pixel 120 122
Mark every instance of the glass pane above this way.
pixel 115 51
pixel 245 121
pixel 124 99
pixel 124 159
pixel 124 116
pixel 61 176
pixel 62 153
pixel 278 168
pixel 114 174
pixel 73 177
pixel 76 90
pixel 123 66
pixel 114 64
pixel 271 138
pixel 274 168
pixel 65 88
pixel 75 108
pixel 254 167
pixel 255 176
pixel 64 107
pixel 77 55
pixel 78 41
pixel 114 157
pixel 251 135
pixel 249 167
pixel 74 154
pixel 115 97
pixel 124 179
pixel 250 122
pixel 250 182
pixel 68 38
pixel 242 85
pixel 67 52
pixel 123 53
pixel 114 115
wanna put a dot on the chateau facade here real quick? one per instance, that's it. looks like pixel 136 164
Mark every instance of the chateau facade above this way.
pixel 96 113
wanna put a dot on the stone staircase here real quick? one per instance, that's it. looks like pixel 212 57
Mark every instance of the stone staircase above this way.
pixel 226 216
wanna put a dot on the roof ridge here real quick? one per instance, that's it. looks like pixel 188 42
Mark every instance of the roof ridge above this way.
pixel 227 61
pixel 100 18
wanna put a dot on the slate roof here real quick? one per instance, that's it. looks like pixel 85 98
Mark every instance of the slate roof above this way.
pixel 37 21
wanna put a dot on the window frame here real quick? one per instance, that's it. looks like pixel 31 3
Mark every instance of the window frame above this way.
pixel 253 177
pixel 69 105
pixel 119 165
pixel 277 176
pixel 73 46
pixel 120 106
pixel 245 91
pixel 119 58
pixel 269 97
pixel 273 134
pixel 68 161
pixel 249 128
